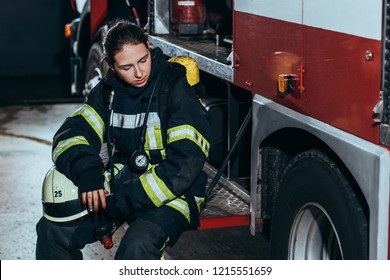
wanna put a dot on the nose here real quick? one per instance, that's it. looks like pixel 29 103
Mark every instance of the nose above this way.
pixel 137 72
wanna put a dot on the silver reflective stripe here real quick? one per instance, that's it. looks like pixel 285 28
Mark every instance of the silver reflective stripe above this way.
pixel 92 118
pixel 154 138
pixel 134 121
pixel 153 131
pixel 151 138
pixel 66 144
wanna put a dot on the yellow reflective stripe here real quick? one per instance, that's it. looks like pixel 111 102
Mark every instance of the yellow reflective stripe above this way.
pixel 154 138
pixel 181 206
pixel 92 118
pixel 188 132
pixel 117 167
pixel 163 154
pixel 149 165
pixel 199 201
pixel 163 248
pixel 155 188
pixel 107 175
pixel 66 144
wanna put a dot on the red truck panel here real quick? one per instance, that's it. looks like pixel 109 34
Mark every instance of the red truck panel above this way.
pixel 341 87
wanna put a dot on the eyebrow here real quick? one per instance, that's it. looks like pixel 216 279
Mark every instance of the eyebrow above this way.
pixel 126 65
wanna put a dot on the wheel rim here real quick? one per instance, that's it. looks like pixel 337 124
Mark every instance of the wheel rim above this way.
pixel 313 235
pixel 95 78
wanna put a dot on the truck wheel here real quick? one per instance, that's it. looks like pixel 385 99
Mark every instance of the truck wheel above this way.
pixel 92 73
pixel 317 214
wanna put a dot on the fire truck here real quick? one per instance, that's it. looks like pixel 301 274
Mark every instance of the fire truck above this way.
pixel 299 96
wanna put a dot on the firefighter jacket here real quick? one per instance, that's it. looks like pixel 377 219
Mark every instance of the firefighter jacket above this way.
pixel 177 149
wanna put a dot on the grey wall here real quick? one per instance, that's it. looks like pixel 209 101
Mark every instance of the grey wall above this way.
pixel 31 37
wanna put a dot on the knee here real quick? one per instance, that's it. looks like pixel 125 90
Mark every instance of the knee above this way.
pixel 53 242
pixel 45 230
pixel 143 240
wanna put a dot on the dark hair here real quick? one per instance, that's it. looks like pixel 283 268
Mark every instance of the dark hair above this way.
pixel 119 33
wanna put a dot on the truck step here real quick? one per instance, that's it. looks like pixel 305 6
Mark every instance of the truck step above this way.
pixel 227 205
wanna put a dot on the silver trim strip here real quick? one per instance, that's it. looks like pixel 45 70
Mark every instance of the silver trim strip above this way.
pixel 206 64
pixel 368 163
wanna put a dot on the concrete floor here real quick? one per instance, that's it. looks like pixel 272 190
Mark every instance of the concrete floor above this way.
pixel 25 156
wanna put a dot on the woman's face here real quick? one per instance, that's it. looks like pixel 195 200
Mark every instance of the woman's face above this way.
pixel 133 64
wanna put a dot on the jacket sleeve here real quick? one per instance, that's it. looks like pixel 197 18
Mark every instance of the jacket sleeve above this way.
pixel 77 143
pixel 188 134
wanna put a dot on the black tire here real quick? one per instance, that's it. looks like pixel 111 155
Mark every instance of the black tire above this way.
pixel 93 73
pixel 317 214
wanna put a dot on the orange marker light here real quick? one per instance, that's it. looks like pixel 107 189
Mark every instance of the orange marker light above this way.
pixel 68 30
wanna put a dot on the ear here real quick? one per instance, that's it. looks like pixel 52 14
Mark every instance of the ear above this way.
pixel 110 66
pixel 105 67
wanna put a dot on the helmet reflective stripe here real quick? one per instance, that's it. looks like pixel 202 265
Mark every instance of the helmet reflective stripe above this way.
pixel 92 118
pixel 134 121
pixel 66 219
pixel 188 132
pixel 155 188
pixel 66 144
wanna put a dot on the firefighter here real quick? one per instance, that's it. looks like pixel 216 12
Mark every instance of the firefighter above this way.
pixel 158 186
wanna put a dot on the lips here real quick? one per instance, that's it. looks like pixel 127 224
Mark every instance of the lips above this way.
pixel 140 82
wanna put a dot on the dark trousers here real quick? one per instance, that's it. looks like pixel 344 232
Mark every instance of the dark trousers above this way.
pixel 146 237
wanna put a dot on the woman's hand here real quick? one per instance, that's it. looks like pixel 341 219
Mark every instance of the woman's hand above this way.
pixel 94 198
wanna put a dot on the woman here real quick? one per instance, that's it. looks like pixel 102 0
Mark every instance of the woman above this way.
pixel 156 202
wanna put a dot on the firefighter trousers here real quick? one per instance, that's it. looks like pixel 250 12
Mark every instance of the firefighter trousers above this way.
pixel 149 232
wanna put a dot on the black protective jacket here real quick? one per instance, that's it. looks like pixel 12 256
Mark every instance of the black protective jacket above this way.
pixel 177 149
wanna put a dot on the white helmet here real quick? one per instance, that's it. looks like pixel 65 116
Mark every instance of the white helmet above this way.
pixel 61 199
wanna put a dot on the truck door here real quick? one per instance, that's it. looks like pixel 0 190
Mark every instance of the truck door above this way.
pixel 342 60
pixel 267 38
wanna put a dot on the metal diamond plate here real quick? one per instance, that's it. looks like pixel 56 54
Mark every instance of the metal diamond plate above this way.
pixel 226 199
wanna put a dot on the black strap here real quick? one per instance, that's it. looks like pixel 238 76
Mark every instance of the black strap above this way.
pixel 170 75
pixel 109 140
pixel 194 211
